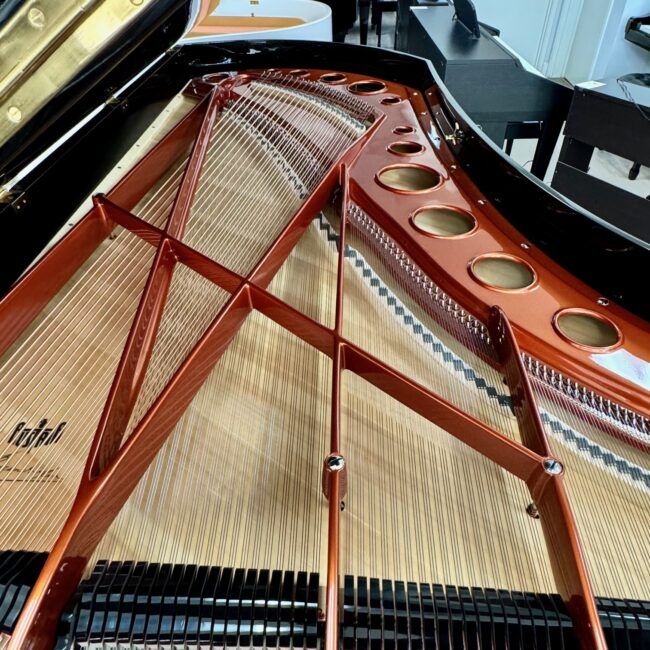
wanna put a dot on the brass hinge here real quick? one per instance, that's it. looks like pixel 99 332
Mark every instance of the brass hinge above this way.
pixel 8 197
pixel 456 135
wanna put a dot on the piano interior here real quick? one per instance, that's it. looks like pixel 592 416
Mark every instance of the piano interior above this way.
pixel 324 471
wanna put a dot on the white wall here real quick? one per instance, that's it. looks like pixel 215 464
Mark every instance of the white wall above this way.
pixel 540 31
pixel 589 39
pixel 599 49
pixel 596 46
pixel 521 22
pixel 621 57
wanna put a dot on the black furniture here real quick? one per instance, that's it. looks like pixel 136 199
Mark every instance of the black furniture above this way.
pixel 364 14
pixel 489 82
pixel 344 15
pixel 614 117
pixel 403 15
pixel 637 31
pixel 379 7
pixel 466 16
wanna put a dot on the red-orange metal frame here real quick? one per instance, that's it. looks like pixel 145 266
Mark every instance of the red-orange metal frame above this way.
pixel 113 471
pixel 547 488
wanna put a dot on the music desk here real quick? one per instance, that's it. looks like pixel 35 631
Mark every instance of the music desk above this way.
pixel 490 82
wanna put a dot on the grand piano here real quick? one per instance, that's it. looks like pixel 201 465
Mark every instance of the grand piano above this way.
pixel 293 356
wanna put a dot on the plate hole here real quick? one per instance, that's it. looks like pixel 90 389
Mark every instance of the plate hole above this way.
pixel 299 73
pixel 333 78
pixel 409 178
pixel 504 272
pixel 442 221
pixel 389 101
pixel 367 87
pixel 216 78
pixel 587 329
pixel 406 148
pixel 403 130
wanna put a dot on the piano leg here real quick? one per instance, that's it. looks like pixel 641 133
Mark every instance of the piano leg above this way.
pixel 364 12
pixel 551 130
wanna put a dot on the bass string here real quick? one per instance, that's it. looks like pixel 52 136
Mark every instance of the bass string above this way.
pixel 114 251
pixel 155 199
pixel 92 281
pixel 163 362
pixel 191 306
pixel 52 386
pixel 24 349
pixel 267 217
pixel 72 445
pixel 238 482
pixel 219 207
pixel 312 269
pixel 87 366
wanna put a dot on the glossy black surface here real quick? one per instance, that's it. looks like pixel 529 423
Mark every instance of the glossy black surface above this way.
pixel 157 28
pixel 608 261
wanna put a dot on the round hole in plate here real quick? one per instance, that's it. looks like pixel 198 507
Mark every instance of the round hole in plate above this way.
pixel 405 148
pixel 403 130
pixel 390 101
pixel 443 221
pixel 368 87
pixel 299 73
pixel 587 329
pixel 333 78
pixel 408 178
pixel 502 272
pixel 216 78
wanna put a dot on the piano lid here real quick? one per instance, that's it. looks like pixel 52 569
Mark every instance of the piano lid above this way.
pixel 60 59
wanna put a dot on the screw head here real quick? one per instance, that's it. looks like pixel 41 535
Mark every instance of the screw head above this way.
pixel 335 462
pixel 603 302
pixel 36 18
pixel 481 202
pixel 553 466
pixel 532 510
pixel 14 114
pixel 525 246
